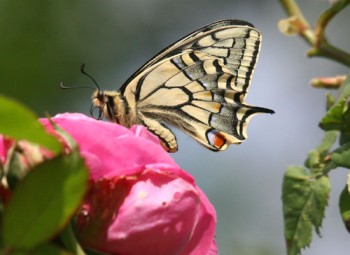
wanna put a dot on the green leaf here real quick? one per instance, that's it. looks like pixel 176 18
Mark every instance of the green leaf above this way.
pixel 317 158
pixel 45 249
pixel 304 200
pixel 48 249
pixel 345 88
pixel 333 120
pixel 341 156
pixel 344 205
pixel 328 140
pixel 44 201
pixel 18 122
pixel 329 100
pixel 313 160
pixel 338 116
pixel 345 134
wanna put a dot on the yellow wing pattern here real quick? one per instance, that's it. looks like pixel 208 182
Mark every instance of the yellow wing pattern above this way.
pixel 198 85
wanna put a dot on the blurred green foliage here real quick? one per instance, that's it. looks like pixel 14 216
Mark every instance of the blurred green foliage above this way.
pixel 45 42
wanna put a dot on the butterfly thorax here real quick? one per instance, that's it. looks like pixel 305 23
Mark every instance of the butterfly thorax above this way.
pixel 113 106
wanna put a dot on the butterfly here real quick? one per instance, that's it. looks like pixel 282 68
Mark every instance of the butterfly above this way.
pixel 198 85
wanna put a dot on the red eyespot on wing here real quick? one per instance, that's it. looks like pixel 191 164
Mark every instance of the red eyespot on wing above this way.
pixel 215 139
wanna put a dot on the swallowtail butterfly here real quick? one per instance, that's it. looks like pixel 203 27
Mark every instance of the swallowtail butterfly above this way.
pixel 198 85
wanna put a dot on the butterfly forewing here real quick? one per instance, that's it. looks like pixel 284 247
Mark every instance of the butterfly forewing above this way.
pixel 198 85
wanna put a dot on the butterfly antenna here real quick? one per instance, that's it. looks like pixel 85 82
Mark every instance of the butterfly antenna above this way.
pixel 82 70
pixel 63 86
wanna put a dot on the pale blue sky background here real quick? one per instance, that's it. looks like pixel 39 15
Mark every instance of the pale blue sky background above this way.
pixel 44 43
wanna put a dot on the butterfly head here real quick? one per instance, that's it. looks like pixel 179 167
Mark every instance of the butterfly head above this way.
pixel 98 104
pixel 107 104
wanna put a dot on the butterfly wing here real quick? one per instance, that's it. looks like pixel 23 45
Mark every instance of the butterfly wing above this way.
pixel 198 84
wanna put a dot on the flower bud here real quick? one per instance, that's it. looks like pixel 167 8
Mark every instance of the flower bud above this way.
pixel 139 201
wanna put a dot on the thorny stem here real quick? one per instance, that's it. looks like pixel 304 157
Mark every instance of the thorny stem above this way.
pixel 316 38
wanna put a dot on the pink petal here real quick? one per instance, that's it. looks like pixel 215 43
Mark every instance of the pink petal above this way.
pixel 140 131
pixel 213 249
pixel 161 213
pixel 203 235
pixel 5 145
pixel 117 149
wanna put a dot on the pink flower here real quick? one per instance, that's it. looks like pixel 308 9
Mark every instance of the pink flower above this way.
pixel 139 200
pixel 5 145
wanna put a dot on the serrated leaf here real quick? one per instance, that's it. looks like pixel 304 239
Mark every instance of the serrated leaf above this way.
pixel 316 159
pixel 313 160
pixel 329 100
pixel 304 200
pixel 341 156
pixel 345 88
pixel 328 140
pixel 44 201
pixel 344 206
pixel 338 116
pixel 333 120
pixel 18 122
pixel 320 194
pixel 345 134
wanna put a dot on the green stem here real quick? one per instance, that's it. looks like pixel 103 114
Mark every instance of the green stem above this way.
pixel 71 244
pixel 293 10
pixel 327 16
pixel 316 39
pixel 334 53
pixel 329 51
